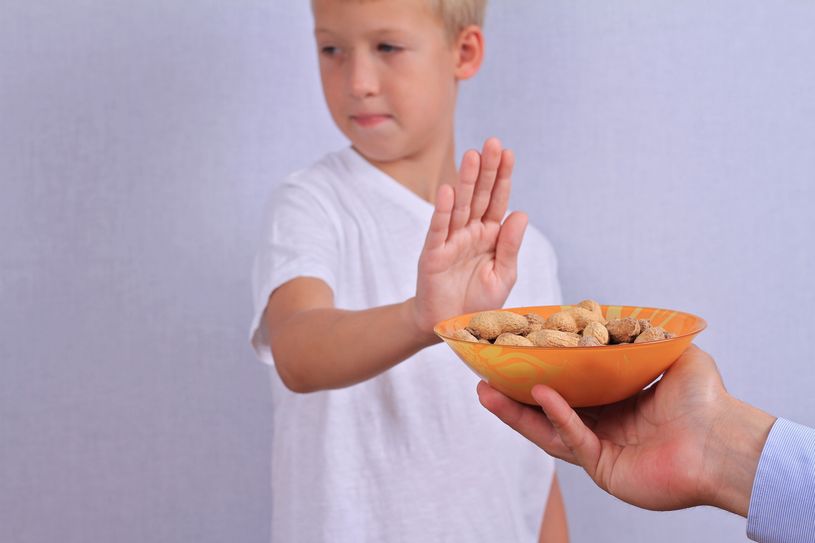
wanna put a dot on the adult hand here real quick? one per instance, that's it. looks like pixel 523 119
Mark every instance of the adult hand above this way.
pixel 682 442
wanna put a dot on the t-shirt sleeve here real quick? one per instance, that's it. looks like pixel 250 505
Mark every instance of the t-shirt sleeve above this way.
pixel 538 261
pixel 298 239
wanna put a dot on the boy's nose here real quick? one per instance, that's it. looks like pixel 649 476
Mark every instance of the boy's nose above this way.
pixel 363 80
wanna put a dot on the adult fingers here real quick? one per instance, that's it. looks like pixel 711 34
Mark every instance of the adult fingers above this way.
pixel 695 366
pixel 526 420
pixel 583 444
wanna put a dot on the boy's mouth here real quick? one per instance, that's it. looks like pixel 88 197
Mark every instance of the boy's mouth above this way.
pixel 370 119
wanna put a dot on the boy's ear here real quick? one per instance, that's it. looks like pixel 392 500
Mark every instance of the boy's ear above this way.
pixel 469 49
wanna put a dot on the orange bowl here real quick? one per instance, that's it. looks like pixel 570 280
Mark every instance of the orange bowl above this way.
pixel 584 376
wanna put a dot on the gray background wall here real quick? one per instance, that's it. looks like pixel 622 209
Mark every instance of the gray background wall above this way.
pixel 665 147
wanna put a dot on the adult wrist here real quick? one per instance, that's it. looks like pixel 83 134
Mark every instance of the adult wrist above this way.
pixel 734 448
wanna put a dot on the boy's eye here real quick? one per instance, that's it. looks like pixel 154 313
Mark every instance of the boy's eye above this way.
pixel 328 50
pixel 388 48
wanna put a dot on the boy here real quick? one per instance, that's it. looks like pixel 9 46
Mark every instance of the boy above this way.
pixel 377 435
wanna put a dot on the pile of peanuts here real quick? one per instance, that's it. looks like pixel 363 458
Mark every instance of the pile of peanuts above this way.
pixel 580 326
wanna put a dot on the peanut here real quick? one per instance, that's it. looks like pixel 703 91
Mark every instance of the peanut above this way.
pixel 589 341
pixel 597 331
pixel 535 322
pixel 583 316
pixel 592 306
pixel 513 339
pixel 554 338
pixel 623 330
pixel 491 324
pixel 463 335
pixel 654 333
pixel 563 321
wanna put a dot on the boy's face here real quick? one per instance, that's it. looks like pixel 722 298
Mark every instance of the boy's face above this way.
pixel 387 71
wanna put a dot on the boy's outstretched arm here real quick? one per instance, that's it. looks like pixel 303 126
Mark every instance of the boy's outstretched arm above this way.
pixel 468 263
pixel 554 526
pixel 317 347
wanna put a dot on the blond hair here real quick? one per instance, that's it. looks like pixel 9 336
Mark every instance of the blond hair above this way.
pixel 456 14
pixel 459 14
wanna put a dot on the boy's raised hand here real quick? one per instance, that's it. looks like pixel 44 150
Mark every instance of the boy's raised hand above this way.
pixel 469 260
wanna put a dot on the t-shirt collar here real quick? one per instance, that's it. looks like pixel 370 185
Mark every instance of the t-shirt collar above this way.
pixel 387 186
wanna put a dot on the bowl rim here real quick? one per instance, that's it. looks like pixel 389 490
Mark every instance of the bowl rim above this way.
pixel 701 325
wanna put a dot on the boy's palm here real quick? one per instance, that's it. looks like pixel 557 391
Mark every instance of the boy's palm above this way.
pixel 469 261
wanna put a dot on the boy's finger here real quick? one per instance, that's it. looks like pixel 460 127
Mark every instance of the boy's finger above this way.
pixel 507 246
pixel 464 189
pixel 583 443
pixel 526 420
pixel 499 199
pixel 490 164
pixel 440 222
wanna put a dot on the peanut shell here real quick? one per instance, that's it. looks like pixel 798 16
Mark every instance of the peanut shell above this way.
pixel 464 335
pixel 654 333
pixel 583 316
pixel 592 306
pixel 491 324
pixel 623 330
pixel 562 321
pixel 553 338
pixel 535 322
pixel 513 339
pixel 597 331
pixel 589 341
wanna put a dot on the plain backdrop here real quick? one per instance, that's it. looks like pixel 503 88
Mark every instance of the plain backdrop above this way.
pixel 666 148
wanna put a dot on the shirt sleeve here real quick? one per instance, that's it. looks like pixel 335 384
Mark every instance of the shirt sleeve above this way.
pixel 298 239
pixel 540 257
pixel 782 504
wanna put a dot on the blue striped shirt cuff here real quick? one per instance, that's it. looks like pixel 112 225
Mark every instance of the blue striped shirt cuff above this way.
pixel 782 504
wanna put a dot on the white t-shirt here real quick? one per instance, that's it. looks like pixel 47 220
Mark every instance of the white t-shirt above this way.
pixel 410 455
